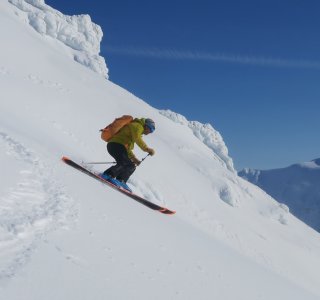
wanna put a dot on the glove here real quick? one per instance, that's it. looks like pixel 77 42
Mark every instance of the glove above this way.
pixel 136 161
pixel 150 151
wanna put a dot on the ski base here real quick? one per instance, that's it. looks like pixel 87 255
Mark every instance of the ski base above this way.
pixel 133 196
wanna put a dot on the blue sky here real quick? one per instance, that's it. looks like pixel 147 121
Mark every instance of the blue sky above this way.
pixel 250 68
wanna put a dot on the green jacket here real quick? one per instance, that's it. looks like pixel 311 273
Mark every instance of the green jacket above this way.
pixel 131 134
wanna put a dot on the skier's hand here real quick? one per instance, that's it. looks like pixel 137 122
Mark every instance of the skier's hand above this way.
pixel 136 161
pixel 150 151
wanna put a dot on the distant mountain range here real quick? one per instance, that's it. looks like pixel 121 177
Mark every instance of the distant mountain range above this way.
pixel 298 186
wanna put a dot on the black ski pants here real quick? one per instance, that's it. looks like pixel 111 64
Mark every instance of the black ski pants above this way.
pixel 124 167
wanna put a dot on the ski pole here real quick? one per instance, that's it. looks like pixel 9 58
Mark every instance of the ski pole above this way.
pixel 145 157
pixel 99 162
pixel 107 162
pixel 142 160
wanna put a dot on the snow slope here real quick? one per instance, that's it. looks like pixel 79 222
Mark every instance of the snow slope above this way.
pixel 78 33
pixel 297 186
pixel 66 236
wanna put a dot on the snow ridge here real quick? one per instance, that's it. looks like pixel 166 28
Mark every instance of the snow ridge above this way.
pixel 206 134
pixel 250 175
pixel 78 33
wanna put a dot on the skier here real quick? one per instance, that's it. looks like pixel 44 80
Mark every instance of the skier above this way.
pixel 120 147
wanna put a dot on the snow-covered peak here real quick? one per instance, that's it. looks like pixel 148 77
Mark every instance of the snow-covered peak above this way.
pixel 206 134
pixel 81 36
pixel 317 161
pixel 313 164
pixel 297 186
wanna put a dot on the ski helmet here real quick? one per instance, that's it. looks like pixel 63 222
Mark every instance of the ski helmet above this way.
pixel 150 124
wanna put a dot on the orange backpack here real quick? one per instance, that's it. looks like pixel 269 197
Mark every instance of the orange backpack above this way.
pixel 108 132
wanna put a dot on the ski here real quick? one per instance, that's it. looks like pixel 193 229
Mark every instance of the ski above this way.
pixel 133 196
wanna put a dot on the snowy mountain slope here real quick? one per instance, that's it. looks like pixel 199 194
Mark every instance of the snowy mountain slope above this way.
pixel 77 32
pixel 297 186
pixel 65 236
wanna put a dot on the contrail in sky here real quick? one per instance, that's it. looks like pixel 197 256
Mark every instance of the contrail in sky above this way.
pixel 174 54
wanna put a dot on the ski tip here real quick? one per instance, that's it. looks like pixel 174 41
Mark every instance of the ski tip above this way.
pixel 167 211
pixel 64 158
pixel 170 213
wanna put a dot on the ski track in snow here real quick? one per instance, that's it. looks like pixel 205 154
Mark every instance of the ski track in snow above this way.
pixel 4 71
pixel 147 191
pixel 47 83
pixel 37 80
pixel 29 209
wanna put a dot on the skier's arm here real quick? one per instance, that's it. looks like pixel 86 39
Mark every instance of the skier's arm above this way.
pixel 137 137
pixel 133 158
pixel 130 154
pixel 140 142
pixel 144 147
